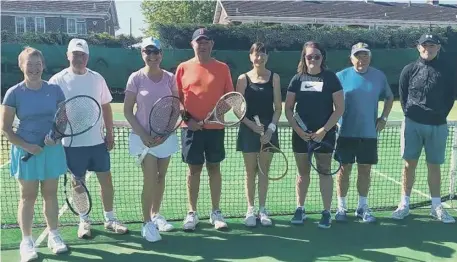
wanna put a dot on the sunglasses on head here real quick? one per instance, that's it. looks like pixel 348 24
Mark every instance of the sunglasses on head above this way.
pixel 311 57
pixel 149 51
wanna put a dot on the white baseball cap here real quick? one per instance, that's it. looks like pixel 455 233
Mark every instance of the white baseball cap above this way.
pixel 150 41
pixel 77 44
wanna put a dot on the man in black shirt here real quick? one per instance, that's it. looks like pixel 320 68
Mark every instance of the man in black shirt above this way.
pixel 426 92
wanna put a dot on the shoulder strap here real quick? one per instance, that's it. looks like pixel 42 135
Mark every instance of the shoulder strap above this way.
pixel 247 79
pixel 271 76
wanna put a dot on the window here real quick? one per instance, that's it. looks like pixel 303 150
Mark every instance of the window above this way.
pixel 76 26
pixel 20 25
pixel 30 24
pixel 40 25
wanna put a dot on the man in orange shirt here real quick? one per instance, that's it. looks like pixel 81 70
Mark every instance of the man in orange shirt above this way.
pixel 201 82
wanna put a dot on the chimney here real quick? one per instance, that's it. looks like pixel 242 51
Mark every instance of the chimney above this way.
pixel 433 2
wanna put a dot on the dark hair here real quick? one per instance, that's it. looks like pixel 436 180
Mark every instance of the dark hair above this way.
pixel 258 47
pixel 302 68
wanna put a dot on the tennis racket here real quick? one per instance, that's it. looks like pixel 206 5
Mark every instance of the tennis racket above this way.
pixel 74 116
pixel 230 109
pixel 276 165
pixel 314 146
pixel 77 196
pixel 165 117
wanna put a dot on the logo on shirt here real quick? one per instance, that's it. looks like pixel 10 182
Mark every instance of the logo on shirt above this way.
pixel 311 86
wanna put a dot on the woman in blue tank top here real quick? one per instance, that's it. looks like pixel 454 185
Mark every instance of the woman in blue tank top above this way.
pixel 262 91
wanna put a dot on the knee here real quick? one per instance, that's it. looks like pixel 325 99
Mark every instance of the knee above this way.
pixel 29 196
pixel 195 171
pixel 49 193
pixel 410 165
pixel 213 169
pixel 302 177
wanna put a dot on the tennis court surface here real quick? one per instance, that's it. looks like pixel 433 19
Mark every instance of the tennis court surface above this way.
pixel 418 238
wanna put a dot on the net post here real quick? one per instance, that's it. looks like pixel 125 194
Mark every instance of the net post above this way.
pixel 453 161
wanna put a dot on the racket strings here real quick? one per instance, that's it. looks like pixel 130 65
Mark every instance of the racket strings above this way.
pixel 77 115
pixel 166 116
pixel 80 199
pixel 273 163
pixel 233 104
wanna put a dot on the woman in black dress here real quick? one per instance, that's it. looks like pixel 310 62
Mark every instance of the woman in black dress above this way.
pixel 262 91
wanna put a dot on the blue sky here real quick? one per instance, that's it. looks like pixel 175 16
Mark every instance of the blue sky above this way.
pixel 127 9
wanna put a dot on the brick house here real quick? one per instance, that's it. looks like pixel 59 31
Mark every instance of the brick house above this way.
pixel 71 17
pixel 361 13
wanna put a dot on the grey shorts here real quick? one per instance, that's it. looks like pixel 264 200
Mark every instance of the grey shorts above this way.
pixel 415 136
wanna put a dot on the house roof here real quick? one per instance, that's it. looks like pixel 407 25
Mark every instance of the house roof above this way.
pixel 340 10
pixel 84 8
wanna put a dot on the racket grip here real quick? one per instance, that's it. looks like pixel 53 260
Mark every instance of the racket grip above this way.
pixel 26 157
pixel 257 121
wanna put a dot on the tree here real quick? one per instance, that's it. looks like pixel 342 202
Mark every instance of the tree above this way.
pixel 176 12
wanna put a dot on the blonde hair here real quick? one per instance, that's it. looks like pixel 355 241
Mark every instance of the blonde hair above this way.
pixel 27 52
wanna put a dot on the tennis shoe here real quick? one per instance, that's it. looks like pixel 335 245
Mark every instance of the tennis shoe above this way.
pixel 265 220
pixel 84 229
pixel 161 223
pixel 115 226
pixel 299 216
pixel 326 220
pixel 364 213
pixel 56 244
pixel 250 220
pixel 191 221
pixel 217 220
pixel 150 233
pixel 341 215
pixel 401 212
pixel 27 250
pixel 440 214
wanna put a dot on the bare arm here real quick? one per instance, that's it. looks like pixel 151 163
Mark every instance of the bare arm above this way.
pixel 277 99
pixel 338 102
pixel 388 103
pixel 129 103
pixel 289 110
pixel 6 125
pixel 108 118
pixel 241 84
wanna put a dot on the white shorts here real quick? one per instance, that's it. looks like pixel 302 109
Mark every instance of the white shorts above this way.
pixel 166 149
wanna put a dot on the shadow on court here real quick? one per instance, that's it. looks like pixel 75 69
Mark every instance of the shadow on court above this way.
pixel 282 242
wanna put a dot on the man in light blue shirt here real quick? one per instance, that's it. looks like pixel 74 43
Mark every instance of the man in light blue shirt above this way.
pixel 363 87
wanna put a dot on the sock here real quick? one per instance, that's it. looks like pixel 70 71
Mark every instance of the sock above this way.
pixel 362 201
pixel 342 203
pixel 261 209
pixel 436 201
pixel 109 215
pixel 27 238
pixel 53 233
pixel 83 218
pixel 301 207
pixel 405 200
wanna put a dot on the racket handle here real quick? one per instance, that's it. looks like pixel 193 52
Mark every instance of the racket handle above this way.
pixel 257 121
pixel 300 122
pixel 26 157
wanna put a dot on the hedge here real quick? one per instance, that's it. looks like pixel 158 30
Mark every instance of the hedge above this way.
pixel 99 39
pixel 292 37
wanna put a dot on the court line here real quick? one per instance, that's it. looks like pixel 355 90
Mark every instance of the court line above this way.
pixel 446 205
pixel 62 210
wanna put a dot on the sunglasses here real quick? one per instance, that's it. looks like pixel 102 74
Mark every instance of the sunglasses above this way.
pixel 311 57
pixel 149 51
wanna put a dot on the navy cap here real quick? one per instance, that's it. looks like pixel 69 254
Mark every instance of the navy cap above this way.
pixel 201 33
pixel 429 37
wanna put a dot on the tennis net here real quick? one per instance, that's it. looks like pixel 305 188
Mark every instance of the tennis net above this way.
pixel 128 182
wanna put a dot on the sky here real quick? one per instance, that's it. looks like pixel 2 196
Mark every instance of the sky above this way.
pixel 127 9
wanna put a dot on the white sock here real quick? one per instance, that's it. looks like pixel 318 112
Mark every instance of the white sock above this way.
pixel 27 238
pixel 261 209
pixel 342 203
pixel 109 215
pixel 301 207
pixel 83 218
pixel 436 201
pixel 405 200
pixel 53 233
pixel 362 201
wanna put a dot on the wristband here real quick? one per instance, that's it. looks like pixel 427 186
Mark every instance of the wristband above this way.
pixel 272 127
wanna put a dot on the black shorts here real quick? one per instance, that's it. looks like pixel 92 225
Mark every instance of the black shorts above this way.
pixel 87 158
pixel 202 145
pixel 301 146
pixel 362 150
pixel 249 142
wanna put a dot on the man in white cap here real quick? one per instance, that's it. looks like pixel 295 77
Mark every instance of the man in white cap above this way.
pixel 90 151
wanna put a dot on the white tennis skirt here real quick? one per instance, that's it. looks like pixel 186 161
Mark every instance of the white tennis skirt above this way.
pixel 164 150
